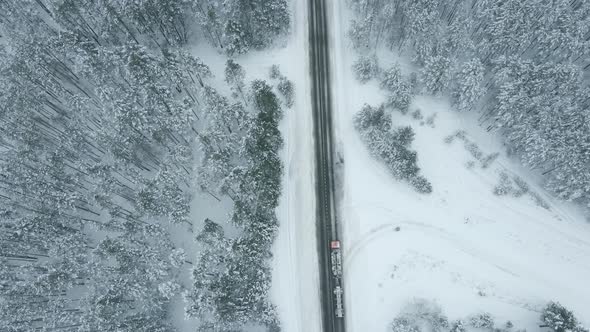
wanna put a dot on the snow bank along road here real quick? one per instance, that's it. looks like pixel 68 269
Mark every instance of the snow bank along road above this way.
pixel 321 108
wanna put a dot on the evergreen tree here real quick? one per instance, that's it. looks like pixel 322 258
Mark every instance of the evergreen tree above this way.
pixel 436 74
pixel 234 76
pixel 558 318
pixel 468 85
pixel 366 68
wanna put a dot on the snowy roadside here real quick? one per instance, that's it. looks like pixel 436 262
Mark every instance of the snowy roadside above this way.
pixel 296 278
pixel 461 246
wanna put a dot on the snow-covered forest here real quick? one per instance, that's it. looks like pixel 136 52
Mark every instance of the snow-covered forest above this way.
pixel 523 65
pixel 158 171
pixel 110 122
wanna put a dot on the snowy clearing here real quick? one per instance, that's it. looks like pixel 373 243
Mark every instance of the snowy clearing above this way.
pixel 462 246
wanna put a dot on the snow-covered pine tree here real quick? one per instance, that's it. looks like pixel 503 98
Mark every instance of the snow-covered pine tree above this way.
pixel 435 76
pixel 467 87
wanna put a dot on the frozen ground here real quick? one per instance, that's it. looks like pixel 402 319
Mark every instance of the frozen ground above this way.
pixel 461 246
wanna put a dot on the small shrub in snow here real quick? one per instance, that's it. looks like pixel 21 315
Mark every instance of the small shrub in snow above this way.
pixel 521 186
pixel 286 89
pixel 459 134
pixel 275 72
pixel 430 120
pixel 489 159
pixel 417 114
pixel 504 187
pixel 365 68
pixel 426 314
pixel 483 321
pixel 508 325
pixel 402 324
pixel 515 186
pixel 449 139
pixel 481 292
pixel 458 326
pixel 474 150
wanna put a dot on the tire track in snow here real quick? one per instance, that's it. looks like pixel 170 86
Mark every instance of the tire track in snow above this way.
pixel 386 229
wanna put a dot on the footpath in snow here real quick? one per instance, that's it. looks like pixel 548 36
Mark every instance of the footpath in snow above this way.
pixel 460 246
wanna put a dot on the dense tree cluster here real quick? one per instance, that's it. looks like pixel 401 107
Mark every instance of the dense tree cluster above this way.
pixel 392 146
pixel 99 110
pixel 560 319
pixel 240 25
pixel 233 274
pixel 523 63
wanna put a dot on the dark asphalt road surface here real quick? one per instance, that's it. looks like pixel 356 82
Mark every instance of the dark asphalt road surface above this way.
pixel 322 114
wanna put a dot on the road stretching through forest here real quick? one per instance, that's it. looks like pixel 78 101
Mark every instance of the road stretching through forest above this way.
pixel 327 229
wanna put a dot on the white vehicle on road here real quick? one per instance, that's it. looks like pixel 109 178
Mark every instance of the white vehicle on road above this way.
pixel 336 258
pixel 339 307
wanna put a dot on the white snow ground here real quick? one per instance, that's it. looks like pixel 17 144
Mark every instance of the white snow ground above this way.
pixel 461 246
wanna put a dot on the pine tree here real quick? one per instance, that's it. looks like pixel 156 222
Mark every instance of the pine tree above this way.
pixel 366 68
pixel 468 85
pixel 234 76
pixel 436 73
pixel 558 318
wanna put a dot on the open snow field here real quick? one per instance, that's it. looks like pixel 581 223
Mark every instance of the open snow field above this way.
pixel 461 246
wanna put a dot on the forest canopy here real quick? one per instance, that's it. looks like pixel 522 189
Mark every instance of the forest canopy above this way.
pixel 522 64
pixel 108 127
